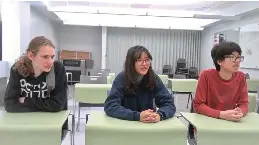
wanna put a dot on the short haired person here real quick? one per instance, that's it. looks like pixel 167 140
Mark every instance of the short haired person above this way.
pixel 27 89
pixel 222 92
pixel 136 89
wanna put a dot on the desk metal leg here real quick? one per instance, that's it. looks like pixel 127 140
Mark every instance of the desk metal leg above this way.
pixel 73 129
pixel 78 119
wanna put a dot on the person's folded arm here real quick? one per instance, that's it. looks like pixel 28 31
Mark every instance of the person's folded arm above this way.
pixel 164 100
pixel 200 101
pixel 242 101
pixel 112 105
pixel 13 93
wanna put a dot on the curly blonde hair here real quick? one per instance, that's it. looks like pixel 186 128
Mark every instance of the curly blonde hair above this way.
pixel 24 65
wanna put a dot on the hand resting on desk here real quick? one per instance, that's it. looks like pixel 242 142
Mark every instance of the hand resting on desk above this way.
pixel 148 116
pixel 231 115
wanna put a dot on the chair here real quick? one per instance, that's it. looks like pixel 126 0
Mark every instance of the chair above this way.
pixel 164 79
pixel 193 73
pixel 252 84
pixel 181 67
pixel 247 76
pixel 93 79
pixel 179 77
pixel 184 86
pixel 99 72
pixel 3 83
pixel 257 100
pixel 253 102
pixel 90 80
pixel 113 75
pixel 167 69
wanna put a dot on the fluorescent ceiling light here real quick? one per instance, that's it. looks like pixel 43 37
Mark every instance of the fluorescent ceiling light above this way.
pixel 171 13
pixel 132 21
pixel 125 11
pixel 156 2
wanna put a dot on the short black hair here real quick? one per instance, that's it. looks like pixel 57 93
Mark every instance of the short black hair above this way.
pixel 219 52
pixel 148 81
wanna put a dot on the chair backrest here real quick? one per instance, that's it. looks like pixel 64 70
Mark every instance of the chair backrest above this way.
pixel 164 79
pixel 193 72
pixel 91 93
pixel 252 99
pixel 93 79
pixel 179 77
pixel 257 100
pixel 252 84
pixel 99 72
pixel 167 66
pixel 3 83
pixel 181 63
pixel 247 76
pixel 184 85
pixel 109 80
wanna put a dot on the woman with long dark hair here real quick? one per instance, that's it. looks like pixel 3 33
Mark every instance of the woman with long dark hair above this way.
pixel 135 90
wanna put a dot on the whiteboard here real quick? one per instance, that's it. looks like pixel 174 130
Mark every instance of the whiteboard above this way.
pixel 249 43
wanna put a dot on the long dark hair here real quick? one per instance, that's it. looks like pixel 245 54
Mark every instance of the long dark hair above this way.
pixel 148 81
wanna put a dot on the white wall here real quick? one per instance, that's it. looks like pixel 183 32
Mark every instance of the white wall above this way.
pixel 208 38
pixel 83 38
pixel 41 26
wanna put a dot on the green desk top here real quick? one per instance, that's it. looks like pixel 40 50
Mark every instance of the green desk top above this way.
pixel 217 131
pixel 39 128
pixel 101 129
pixel 184 85
pixel 91 93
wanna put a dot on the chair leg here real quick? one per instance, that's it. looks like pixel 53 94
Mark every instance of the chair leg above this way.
pixel 73 129
pixel 78 120
pixel 71 138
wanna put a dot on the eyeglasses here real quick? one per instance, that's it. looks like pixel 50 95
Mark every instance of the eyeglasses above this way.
pixel 234 58
pixel 147 61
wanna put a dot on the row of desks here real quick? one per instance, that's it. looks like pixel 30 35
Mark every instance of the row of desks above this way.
pixel 45 129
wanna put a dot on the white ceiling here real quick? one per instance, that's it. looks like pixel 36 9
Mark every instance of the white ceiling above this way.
pixel 165 14
pixel 250 28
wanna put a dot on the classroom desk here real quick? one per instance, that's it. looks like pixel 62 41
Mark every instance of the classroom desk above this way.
pixel 183 85
pixel 211 131
pixel 104 130
pixel 37 128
